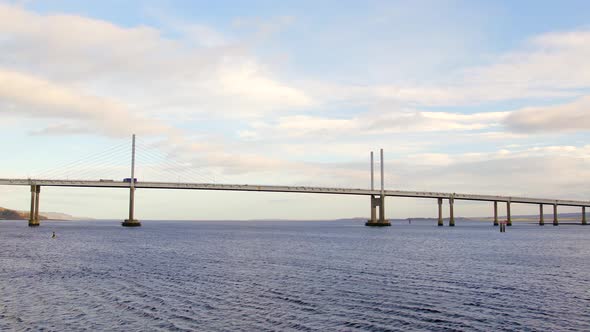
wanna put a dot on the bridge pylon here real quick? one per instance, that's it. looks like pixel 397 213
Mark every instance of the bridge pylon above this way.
pixel 131 221
pixel 377 201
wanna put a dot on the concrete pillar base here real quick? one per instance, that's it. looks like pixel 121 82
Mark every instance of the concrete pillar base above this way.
pixel 376 223
pixel 440 223
pixel 34 223
pixel 555 224
pixel 496 223
pixel 131 223
pixel 541 224
pixel 452 225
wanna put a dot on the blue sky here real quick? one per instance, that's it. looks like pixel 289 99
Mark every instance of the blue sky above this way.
pixel 464 96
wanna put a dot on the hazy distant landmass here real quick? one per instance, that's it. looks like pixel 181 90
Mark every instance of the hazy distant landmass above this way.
pixel 8 214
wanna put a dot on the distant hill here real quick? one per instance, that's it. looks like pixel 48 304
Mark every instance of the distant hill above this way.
pixel 8 214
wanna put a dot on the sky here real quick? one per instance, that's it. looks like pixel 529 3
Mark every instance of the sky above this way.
pixel 488 97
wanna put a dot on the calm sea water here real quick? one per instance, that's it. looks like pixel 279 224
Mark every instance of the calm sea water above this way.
pixel 301 276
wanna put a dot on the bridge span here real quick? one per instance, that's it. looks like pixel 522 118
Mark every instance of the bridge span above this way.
pixel 35 185
pixel 377 197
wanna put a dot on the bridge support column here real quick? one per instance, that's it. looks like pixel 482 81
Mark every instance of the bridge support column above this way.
pixel 508 214
pixel 377 202
pixel 541 216
pixel 440 218
pixel 555 221
pixel 495 213
pixel 451 211
pixel 374 205
pixel 131 222
pixel 33 214
pixel 584 222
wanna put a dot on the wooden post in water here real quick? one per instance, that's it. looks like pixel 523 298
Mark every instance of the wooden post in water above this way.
pixel 584 222
pixel 541 216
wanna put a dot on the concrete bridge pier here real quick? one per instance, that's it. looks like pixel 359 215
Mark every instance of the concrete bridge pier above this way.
pixel 34 213
pixel 380 203
pixel 541 216
pixel 495 213
pixel 374 205
pixel 555 221
pixel 440 218
pixel 508 214
pixel 131 222
pixel 584 222
pixel 451 211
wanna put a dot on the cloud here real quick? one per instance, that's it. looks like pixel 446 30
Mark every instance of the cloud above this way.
pixel 552 65
pixel 30 96
pixel 409 121
pixel 200 71
pixel 573 116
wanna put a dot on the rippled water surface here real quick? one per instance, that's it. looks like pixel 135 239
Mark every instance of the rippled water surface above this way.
pixel 269 275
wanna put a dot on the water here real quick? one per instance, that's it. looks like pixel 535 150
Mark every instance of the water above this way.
pixel 302 276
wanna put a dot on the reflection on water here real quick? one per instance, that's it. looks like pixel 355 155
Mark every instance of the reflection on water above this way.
pixel 293 276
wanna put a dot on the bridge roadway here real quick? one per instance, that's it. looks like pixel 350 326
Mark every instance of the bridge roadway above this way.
pixel 290 189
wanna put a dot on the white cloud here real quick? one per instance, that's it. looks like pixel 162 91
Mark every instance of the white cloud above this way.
pixel 25 95
pixel 555 118
pixel 547 66
pixel 140 66
pixel 376 124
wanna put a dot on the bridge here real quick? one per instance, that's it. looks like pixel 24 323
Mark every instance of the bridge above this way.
pixel 377 196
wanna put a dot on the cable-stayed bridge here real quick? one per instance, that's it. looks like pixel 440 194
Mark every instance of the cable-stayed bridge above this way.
pixel 377 196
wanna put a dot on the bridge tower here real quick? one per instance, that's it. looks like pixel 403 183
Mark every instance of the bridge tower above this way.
pixel 377 201
pixel 132 222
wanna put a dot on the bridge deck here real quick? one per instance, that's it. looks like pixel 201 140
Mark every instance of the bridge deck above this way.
pixel 288 189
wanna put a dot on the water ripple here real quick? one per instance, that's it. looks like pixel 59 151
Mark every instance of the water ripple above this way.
pixel 299 276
